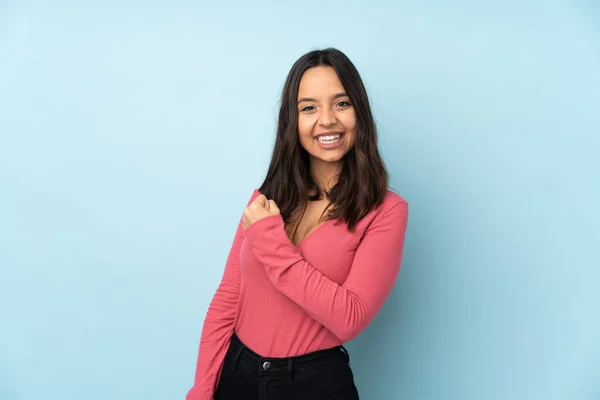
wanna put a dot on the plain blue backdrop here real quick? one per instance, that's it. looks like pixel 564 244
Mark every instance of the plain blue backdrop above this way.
pixel 133 133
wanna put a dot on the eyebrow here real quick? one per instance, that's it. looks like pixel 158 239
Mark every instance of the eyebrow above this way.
pixel 335 96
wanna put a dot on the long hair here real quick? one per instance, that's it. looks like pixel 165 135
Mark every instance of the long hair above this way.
pixel 363 181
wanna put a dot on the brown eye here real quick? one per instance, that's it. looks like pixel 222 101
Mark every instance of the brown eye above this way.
pixel 344 104
pixel 307 108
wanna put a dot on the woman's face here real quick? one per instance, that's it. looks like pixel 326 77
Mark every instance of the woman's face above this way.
pixel 326 118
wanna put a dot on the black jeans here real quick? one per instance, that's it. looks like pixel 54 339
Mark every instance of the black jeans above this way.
pixel 324 374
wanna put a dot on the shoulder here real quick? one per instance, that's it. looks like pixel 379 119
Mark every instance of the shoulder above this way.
pixel 393 207
pixel 390 215
pixel 392 200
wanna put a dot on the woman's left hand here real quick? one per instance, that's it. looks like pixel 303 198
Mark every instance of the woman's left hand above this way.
pixel 260 208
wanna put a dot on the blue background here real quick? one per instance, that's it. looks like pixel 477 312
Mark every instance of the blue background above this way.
pixel 133 133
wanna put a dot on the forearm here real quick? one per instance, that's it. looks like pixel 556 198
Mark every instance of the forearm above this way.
pixel 345 309
pixel 219 325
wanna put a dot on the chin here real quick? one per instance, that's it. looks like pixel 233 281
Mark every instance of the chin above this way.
pixel 329 158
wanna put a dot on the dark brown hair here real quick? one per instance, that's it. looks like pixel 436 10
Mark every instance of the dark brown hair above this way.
pixel 363 182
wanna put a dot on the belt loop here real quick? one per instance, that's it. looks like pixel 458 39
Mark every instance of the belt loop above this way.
pixel 237 356
pixel 346 354
pixel 290 368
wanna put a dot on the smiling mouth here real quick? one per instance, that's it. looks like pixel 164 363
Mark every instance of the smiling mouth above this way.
pixel 330 138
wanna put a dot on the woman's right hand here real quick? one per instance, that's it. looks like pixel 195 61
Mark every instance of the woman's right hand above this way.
pixel 260 208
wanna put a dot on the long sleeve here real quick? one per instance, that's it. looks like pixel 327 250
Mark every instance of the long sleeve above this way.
pixel 219 324
pixel 343 309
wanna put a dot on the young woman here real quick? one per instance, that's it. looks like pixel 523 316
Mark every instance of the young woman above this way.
pixel 316 252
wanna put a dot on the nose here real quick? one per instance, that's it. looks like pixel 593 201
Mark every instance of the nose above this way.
pixel 326 117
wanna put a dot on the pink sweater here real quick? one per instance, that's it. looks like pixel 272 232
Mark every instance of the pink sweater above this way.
pixel 284 300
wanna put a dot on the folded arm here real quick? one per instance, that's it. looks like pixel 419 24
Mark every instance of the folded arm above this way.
pixel 343 309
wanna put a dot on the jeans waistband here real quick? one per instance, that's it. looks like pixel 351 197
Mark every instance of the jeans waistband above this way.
pixel 275 365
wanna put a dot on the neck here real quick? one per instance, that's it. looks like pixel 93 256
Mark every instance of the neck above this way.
pixel 325 174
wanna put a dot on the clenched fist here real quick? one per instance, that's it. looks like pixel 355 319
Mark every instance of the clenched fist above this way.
pixel 260 208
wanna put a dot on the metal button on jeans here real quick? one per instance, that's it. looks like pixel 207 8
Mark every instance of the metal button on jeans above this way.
pixel 266 365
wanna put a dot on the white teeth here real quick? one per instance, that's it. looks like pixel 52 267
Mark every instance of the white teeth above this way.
pixel 329 139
